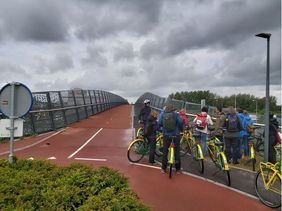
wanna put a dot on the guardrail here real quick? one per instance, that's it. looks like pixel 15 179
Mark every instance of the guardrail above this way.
pixel 57 109
pixel 157 103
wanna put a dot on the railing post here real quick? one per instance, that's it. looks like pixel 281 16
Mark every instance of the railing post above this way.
pixel 64 111
pixel 50 112
pixel 75 104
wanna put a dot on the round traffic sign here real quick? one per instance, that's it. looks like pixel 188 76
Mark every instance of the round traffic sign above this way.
pixel 15 100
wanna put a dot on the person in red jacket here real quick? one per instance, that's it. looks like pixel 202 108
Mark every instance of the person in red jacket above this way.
pixel 182 114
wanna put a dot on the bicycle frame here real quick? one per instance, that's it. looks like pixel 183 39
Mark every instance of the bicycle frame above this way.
pixel 199 149
pixel 252 149
pixel 171 158
pixel 268 184
pixel 218 152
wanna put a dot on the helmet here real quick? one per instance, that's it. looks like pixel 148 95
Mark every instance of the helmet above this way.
pixel 146 101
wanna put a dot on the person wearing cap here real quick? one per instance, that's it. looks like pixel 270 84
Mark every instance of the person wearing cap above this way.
pixel 145 112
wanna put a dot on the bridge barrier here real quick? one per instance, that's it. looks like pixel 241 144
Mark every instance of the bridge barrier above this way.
pixel 52 110
pixel 157 103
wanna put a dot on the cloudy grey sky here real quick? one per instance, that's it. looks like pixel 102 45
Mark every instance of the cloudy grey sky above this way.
pixel 129 47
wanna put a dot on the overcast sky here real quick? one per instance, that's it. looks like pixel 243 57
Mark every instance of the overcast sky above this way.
pixel 129 47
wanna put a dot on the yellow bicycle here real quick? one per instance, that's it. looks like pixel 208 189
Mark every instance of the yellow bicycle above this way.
pixel 191 144
pixel 268 182
pixel 216 153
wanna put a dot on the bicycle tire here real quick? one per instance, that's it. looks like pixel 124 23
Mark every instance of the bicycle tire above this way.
pixel 259 146
pixel 135 151
pixel 254 164
pixel 184 146
pixel 226 172
pixel 201 161
pixel 267 197
pixel 170 170
pixel 140 132
pixel 211 152
pixel 159 146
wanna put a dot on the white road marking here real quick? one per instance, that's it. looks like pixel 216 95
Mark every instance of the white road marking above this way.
pixel 144 165
pixel 91 159
pixel 202 178
pixel 31 145
pixel 52 158
pixel 80 148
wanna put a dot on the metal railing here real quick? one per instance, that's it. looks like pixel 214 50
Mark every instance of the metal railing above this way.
pixel 57 109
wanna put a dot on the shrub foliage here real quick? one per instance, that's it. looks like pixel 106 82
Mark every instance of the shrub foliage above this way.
pixel 40 185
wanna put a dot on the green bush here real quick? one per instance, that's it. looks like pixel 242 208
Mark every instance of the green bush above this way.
pixel 39 185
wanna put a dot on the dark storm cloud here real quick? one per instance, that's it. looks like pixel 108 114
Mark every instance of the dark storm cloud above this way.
pixel 32 20
pixel 224 27
pixel 58 63
pixel 98 20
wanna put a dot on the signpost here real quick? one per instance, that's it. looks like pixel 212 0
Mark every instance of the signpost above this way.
pixel 15 101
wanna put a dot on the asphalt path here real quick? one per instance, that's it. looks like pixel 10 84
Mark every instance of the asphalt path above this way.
pixel 102 140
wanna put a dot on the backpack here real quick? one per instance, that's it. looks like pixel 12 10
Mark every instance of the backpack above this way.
pixel 232 123
pixel 201 121
pixel 169 121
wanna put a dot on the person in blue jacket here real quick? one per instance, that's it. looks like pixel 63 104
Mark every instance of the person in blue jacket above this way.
pixel 245 134
pixel 172 131
pixel 242 116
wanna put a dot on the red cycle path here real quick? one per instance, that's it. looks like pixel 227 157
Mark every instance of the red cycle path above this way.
pixel 109 147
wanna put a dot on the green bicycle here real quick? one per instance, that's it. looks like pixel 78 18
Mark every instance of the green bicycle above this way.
pixel 215 151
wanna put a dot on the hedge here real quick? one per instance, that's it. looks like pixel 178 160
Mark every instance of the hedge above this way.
pixel 40 185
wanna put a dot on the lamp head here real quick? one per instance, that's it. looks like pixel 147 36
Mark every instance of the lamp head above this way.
pixel 264 35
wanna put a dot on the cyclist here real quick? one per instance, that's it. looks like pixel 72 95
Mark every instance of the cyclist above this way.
pixel 219 121
pixel 171 125
pixel 150 132
pixel 273 129
pixel 202 121
pixel 145 112
pixel 233 127
pixel 184 118
pixel 246 121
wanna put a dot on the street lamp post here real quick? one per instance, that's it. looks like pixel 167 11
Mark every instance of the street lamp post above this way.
pixel 266 134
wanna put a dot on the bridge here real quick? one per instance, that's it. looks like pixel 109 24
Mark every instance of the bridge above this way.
pixel 95 127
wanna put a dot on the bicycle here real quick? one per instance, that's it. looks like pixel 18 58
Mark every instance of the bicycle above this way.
pixel 186 136
pixel 140 131
pixel 137 149
pixel 252 154
pixel 217 155
pixel 268 182
pixel 191 144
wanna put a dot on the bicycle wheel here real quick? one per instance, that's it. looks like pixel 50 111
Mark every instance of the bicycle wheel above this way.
pixel 269 197
pixel 197 152
pixel 212 153
pixel 136 150
pixel 184 146
pixel 226 172
pixel 259 147
pixel 140 132
pixel 170 170
pixel 159 146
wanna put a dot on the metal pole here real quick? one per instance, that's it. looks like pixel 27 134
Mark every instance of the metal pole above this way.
pixel 12 117
pixel 256 111
pixel 266 135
